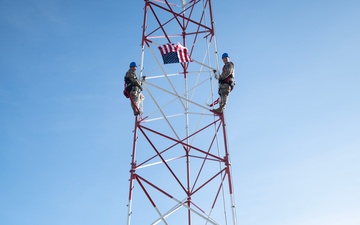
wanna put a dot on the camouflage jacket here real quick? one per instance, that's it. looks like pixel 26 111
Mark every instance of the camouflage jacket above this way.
pixel 227 76
pixel 131 79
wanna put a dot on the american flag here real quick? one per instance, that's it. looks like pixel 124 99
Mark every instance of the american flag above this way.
pixel 174 53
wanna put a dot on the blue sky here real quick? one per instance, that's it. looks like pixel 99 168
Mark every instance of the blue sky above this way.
pixel 294 115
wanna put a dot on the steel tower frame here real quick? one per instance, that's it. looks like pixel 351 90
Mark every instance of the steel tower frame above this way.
pixel 180 164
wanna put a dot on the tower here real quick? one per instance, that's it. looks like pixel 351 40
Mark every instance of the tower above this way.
pixel 180 166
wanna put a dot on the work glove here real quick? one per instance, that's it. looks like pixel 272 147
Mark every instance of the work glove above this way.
pixel 217 74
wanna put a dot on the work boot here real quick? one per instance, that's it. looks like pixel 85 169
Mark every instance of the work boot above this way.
pixel 218 110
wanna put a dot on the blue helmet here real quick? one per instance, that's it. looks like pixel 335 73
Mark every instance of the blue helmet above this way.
pixel 225 55
pixel 133 64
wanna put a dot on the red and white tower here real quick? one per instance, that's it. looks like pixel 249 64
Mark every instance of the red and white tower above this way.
pixel 180 166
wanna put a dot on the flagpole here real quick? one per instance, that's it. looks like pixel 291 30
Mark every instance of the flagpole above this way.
pixel 193 60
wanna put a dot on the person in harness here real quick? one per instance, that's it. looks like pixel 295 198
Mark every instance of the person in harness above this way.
pixel 132 89
pixel 226 82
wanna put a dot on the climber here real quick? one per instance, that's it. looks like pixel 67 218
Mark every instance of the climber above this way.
pixel 133 89
pixel 226 82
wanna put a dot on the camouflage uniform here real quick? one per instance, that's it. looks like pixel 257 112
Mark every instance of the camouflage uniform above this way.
pixel 134 88
pixel 226 84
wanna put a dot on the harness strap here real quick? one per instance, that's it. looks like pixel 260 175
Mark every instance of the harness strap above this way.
pixel 226 80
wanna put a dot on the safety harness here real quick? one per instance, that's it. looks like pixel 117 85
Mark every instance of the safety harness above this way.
pixel 229 80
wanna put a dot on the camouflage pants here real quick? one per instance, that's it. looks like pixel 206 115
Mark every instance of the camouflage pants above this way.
pixel 137 99
pixel 224 90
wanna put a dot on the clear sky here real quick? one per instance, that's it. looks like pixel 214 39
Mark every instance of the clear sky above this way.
pixel 294 129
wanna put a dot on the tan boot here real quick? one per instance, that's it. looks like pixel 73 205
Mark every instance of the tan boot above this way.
pixel 218 110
